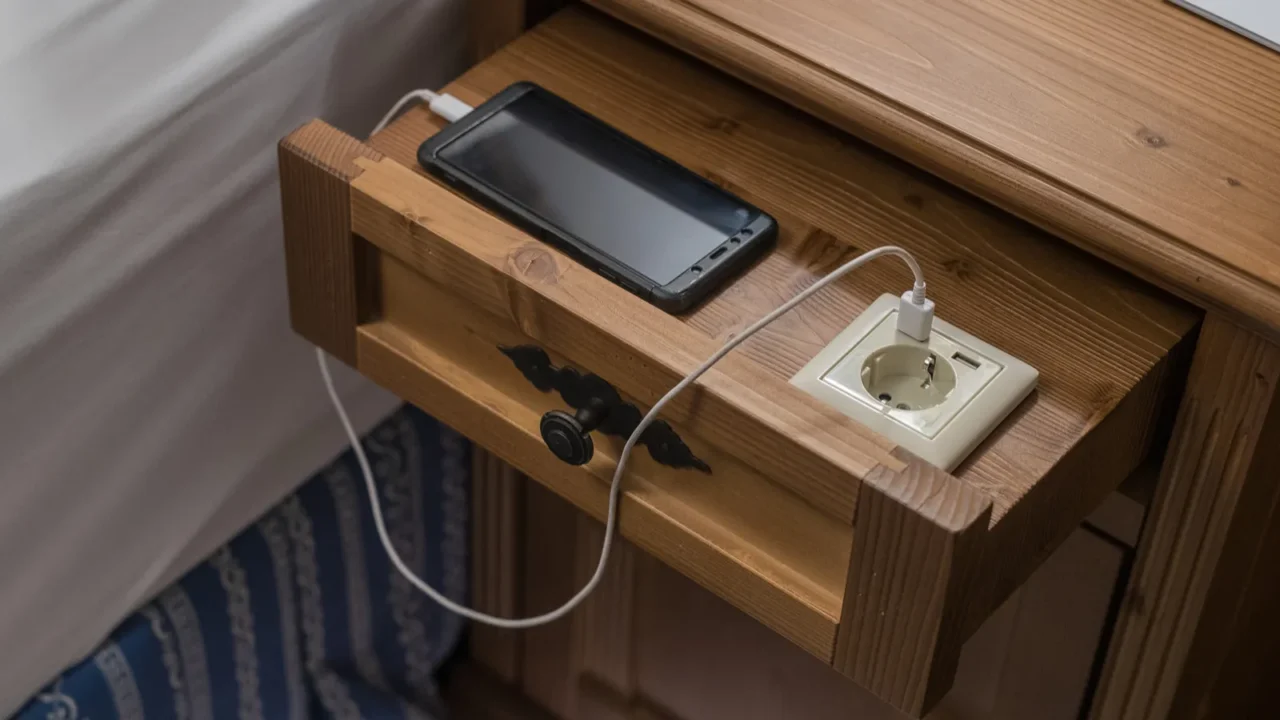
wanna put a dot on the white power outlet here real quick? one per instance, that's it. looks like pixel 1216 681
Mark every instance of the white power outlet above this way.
pixel 938 399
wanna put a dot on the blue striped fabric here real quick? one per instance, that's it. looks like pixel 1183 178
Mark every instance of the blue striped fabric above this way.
pixel 301 615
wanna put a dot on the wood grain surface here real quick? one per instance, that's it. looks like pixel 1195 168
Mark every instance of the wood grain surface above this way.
pixel 497 534
pixel 1094 333
pixel 1224 451
pixel 1133 128
pixel 917 544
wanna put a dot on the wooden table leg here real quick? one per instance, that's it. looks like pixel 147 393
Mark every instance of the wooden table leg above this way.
pixel 1193 609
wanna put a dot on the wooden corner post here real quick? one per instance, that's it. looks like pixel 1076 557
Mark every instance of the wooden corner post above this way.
pixel 327 267
pixel 1186 623
pixel 916 540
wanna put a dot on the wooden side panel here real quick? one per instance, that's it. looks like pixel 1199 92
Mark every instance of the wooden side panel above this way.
pixel 328 272
pixel 1229 412
pixel 552 660
pixel 497 567
pixel 916 544
pixel 1238 639
pixel 1040 107
pixel 580 667
pixel 603 629
pixel 1080 481
pixel 604 626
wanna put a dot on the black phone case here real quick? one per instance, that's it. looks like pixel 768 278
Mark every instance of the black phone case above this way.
pixel 690 287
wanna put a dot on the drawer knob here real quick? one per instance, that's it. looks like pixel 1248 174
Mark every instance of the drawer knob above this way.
pixel 597 407
pixel 569 436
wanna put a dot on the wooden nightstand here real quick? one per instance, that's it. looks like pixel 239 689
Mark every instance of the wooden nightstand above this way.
pixel 872 561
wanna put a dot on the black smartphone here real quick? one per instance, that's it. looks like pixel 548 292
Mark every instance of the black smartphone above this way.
pixel 615 205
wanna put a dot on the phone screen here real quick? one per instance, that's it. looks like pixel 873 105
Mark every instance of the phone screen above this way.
pixel 589 180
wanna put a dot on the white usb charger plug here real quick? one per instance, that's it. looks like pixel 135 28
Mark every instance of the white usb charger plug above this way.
pixel 915 314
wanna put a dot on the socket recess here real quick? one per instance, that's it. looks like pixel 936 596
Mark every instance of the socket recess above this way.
pixel 938 399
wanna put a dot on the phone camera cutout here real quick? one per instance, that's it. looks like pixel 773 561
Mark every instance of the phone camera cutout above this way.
pixel 746 233
pixel 696 269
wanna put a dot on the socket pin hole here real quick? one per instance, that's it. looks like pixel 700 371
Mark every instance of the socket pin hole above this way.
pixel 886 398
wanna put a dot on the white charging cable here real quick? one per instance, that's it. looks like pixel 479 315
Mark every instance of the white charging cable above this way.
pixel 915 318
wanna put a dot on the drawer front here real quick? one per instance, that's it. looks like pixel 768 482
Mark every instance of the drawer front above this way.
pixel 866 557
pixel 734 531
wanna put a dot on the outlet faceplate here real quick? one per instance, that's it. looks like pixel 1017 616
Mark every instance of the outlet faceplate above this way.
pixel 939 399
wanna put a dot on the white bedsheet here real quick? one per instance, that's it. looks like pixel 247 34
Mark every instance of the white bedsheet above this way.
pixel 153 399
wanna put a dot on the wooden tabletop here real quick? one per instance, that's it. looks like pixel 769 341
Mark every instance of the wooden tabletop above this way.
pixel 1133 128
